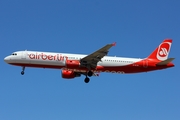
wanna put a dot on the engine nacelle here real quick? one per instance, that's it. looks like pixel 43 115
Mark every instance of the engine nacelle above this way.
pixel 72 63
pixel 68 74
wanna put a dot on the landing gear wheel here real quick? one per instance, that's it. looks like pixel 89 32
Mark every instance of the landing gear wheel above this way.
pixel 86 80
pixel 90 73
pixel 22 73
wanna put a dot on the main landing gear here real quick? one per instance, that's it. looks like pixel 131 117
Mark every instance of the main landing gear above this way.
pixel 90 73
pixel 86 80
pixel 22 72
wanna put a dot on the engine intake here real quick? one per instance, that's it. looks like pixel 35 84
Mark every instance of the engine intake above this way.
pixel 68 74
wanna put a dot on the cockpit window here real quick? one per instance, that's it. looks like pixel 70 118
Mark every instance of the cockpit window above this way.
pixel 14 54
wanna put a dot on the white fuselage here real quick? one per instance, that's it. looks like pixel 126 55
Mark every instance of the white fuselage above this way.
pixel 58 59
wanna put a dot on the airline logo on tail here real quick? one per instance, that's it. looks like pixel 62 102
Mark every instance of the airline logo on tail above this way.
pixel 163 50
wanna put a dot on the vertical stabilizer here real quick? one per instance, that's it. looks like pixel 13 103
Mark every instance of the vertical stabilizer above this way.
pixel 162 51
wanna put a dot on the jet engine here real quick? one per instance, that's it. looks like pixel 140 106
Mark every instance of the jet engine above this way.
pixel 68 74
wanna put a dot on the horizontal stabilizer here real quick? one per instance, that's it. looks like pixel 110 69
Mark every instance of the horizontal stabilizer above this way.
pixel 165 62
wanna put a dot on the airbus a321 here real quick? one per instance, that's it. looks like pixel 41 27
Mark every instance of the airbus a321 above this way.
pixel 75 65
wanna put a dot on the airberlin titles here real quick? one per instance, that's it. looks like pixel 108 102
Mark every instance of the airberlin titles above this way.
pixel 43 56
pixel 59 57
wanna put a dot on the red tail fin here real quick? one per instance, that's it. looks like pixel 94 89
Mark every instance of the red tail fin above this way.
pixel 162 51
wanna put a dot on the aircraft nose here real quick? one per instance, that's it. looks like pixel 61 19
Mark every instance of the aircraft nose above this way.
pixel 6 59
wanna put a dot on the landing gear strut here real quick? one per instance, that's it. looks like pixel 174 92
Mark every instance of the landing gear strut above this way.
pixel 22 72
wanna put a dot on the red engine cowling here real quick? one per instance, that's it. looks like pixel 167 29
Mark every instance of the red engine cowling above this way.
pixel 72 63
pixel 68 74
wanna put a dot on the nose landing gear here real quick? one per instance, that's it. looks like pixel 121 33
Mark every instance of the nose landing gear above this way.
pixel 22 72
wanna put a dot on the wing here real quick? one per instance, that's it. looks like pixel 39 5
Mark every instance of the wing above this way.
pixel 90 61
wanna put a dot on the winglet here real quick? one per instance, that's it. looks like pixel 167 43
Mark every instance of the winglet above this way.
pixel 114 44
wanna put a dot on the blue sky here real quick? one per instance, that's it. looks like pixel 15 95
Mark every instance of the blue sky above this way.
pixel 82 26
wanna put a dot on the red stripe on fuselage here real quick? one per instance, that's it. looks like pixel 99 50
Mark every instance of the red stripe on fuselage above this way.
pixel 126 69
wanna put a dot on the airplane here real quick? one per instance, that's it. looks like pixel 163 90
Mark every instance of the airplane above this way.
pixel 75 65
